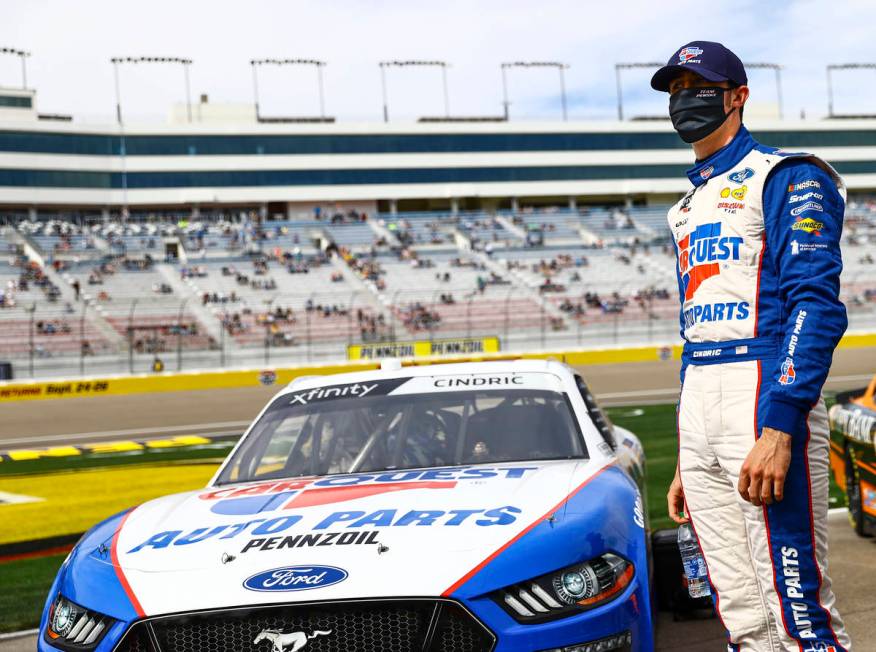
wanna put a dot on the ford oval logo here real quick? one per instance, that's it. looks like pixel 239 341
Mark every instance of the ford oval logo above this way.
pixel 295 578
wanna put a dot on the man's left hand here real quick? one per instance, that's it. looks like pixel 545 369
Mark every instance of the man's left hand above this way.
pixel 762 478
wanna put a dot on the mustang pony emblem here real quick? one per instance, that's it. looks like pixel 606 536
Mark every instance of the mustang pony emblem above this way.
pixel 291 642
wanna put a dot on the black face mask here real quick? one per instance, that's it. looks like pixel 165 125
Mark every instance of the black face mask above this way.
pixel 697 112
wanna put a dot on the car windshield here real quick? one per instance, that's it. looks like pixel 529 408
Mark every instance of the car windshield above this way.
pixel 405 431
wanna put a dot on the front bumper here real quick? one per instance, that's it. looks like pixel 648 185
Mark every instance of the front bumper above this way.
pixel 432 625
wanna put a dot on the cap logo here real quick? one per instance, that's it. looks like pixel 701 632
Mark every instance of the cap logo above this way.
pixel 688 54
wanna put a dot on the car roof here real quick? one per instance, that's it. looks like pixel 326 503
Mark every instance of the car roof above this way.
pixel 438 369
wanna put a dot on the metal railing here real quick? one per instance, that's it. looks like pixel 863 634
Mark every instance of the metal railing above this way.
pixel 44 339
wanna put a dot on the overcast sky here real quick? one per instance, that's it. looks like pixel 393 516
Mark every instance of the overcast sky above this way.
pixel 72 41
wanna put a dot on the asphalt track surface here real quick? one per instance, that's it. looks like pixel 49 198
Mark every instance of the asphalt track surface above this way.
pixel 91 419
pixel 102 418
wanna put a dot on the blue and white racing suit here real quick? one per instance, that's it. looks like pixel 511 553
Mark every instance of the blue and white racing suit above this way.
pixel 758 246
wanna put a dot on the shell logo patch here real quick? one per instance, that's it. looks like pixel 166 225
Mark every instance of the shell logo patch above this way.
pixel 736 193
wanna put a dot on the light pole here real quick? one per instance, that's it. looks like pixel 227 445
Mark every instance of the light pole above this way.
pixel 319 65
pixel 778 71
pixel 185 63
pixel 561 67
pixel 411 64
pixel 841 66
pixel 620 67
pixel 23 55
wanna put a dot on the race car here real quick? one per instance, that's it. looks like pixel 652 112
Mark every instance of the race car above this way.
pixel 447 508
pixel 853 454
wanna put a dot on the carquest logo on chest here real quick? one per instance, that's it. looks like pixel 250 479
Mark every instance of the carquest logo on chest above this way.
pixel 700 252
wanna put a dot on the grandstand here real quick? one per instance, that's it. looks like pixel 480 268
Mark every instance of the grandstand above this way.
pixel 207 244
pixel 312 287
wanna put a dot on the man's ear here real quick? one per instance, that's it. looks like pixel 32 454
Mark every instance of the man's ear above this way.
pixel 738 97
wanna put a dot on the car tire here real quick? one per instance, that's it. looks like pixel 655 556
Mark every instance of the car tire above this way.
pixel 853 493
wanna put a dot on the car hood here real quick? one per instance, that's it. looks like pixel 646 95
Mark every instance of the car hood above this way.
pixel 412 533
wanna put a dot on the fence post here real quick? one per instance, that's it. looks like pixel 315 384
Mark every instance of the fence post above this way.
pixel 131 337
pixel 392 320
pixel 179 334
pixel 32 313
pixel 507 314
pixel 431 327
pixel 222 342
pixel 307 326
pixel 82 339
pixel 350 319
pixel 270 304
pixel 541 321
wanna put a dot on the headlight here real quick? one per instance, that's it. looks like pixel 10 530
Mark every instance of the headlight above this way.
pixel 567 591
pixel 619 643
pixel 72 627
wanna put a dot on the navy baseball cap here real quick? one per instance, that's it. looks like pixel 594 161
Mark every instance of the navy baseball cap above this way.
pixel 711 61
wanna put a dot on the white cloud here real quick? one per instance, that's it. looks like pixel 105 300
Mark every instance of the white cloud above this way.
pixel 72 42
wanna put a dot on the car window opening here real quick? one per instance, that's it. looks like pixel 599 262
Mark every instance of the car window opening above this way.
pixel 406 431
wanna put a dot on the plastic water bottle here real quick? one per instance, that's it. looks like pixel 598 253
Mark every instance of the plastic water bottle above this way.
pixel 694 563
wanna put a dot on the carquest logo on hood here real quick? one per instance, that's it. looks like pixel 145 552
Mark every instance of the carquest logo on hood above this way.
pixel 295 578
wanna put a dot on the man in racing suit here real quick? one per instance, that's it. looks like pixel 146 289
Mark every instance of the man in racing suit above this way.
pixel 757 239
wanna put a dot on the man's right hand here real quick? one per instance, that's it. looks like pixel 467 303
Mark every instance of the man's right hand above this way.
pixel 675 500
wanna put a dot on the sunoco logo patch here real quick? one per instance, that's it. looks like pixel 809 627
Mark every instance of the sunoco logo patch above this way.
pixel 808 225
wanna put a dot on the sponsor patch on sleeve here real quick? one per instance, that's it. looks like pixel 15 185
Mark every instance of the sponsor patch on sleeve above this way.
pixel 806 247
pixel 789 374
pixel 808 225
pixel 803 185
pixel 808 206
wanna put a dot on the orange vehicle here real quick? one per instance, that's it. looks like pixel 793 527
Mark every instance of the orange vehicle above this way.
pixel 853 454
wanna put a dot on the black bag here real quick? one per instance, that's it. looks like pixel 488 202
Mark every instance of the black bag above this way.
pixel 671 584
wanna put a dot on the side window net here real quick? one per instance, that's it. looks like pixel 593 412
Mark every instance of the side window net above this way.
pixel 602 423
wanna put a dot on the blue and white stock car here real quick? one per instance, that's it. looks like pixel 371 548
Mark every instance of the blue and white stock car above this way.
pixel 449 508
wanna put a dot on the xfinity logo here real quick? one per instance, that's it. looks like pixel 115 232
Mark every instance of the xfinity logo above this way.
pixel 295 578
pixel 355 390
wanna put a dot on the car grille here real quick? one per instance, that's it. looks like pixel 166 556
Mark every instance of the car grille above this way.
pixel 352 626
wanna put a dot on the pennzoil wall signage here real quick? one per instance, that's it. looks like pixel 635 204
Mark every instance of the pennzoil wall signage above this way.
pixel 423 348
